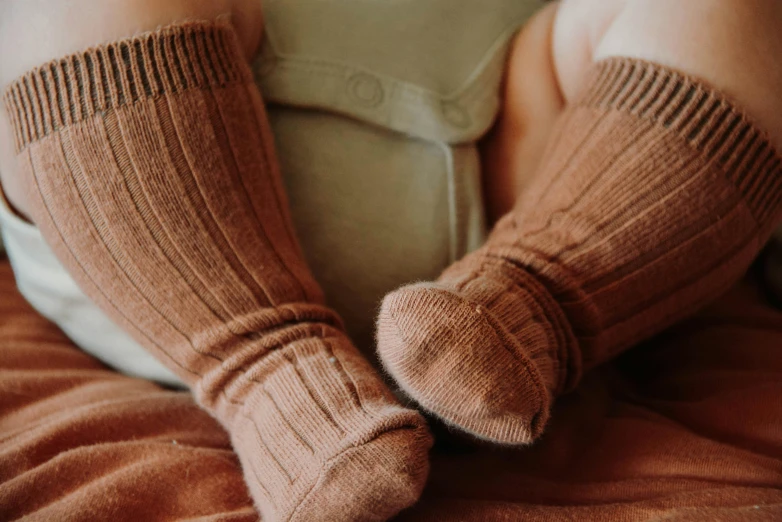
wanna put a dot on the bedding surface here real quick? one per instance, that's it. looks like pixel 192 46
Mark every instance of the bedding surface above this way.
pixel 686 427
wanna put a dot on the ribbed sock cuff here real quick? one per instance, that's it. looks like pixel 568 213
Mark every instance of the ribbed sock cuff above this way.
pixel 174 59
pixel 702 116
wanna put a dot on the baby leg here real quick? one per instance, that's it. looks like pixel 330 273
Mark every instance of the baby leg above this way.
pixel 147 163
pixel 659 187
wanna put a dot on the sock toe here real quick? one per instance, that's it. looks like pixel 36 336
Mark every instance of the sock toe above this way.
pixel 456 360
pixel 372 481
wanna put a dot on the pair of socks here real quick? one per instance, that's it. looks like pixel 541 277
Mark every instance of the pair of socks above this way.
pixel 149 169
pixel 653 198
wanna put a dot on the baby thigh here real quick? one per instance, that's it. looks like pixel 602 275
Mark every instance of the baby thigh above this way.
pixel 733 45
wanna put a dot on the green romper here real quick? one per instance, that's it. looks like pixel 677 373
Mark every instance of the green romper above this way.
pixel 377 106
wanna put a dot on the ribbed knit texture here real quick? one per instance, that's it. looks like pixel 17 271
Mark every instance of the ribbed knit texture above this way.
pixel 149 169
pixel 654 196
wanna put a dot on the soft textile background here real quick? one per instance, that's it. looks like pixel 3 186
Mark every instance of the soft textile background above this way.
pixel 687 427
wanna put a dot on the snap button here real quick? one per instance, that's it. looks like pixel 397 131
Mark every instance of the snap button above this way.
pixel 455 115
pixel 365 89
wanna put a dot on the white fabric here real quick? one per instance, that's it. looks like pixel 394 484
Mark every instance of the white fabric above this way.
pixel 48 287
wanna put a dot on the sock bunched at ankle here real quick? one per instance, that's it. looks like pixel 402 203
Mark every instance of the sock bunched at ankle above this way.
pixel 654 197
pixel 149 168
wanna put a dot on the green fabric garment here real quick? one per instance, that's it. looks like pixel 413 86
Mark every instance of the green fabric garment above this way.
pixel 377 106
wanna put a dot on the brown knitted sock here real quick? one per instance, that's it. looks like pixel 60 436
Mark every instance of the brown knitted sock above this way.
pixel 654 197
pixel 149 169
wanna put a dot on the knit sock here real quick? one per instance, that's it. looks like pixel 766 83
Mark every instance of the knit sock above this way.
pixel 149 168
pixel 654 196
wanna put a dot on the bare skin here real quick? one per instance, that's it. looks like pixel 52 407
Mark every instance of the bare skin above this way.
pixel 532 101
pixel 733 45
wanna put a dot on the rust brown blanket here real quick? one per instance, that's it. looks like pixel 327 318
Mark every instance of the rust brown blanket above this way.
pixel 687 427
